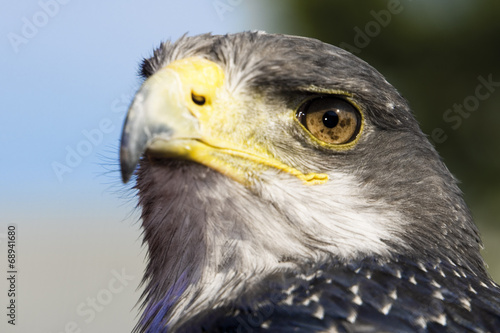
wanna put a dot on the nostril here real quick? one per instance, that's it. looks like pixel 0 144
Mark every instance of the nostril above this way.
pixel 197 99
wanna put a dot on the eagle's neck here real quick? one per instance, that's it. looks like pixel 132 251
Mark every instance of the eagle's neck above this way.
pixel 200 257
pixel 210 238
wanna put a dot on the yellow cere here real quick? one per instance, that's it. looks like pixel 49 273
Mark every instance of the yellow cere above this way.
pixel 199 77
pixel 227 139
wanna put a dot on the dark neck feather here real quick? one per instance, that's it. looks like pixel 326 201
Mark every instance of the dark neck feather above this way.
pixel 176 243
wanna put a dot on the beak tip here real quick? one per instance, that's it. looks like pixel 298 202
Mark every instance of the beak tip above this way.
pixel 125 177
pixel 127 165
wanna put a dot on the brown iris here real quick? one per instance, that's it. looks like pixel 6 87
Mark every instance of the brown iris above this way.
pixel 330 119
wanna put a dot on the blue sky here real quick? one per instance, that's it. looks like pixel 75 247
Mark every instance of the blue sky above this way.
pixel 67 74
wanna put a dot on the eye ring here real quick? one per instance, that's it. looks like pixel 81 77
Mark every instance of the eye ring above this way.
pixel 330 119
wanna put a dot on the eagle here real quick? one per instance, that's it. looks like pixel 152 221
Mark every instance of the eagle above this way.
pixel 285 186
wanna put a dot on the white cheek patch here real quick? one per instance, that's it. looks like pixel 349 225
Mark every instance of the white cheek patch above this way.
pixel 336 213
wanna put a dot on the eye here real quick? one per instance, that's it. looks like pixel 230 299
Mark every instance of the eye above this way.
pixel 330 119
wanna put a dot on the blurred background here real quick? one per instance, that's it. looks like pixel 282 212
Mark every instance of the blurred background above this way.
pixel 68 72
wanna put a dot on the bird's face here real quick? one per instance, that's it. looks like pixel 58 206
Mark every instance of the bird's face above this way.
pixel 187 111
pixel 287 138
pixel 194 117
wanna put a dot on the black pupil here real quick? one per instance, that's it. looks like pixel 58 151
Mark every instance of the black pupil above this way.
pixel 330 119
